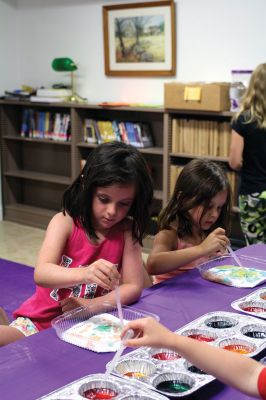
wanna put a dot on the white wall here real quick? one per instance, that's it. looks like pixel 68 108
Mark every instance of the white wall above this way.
pixel 213 37
pixel 9 68
pixel 9 64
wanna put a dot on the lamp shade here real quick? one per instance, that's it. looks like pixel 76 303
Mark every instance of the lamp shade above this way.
pixel 64 64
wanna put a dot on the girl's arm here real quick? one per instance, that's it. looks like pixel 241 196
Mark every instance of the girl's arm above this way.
pixel 131 275
pixel 233 369
pixel 49 272
pixel 236 151
pixel 165 258
pixel 131 280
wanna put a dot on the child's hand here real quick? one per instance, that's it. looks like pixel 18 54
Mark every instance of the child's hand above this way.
pixel 215 242
pixel 70 303
pixel 102 272
pixel 148 332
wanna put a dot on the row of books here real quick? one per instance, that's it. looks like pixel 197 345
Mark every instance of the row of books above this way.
pixel 45 125
pixel 137 134
pixel 232 177
pixel 210 138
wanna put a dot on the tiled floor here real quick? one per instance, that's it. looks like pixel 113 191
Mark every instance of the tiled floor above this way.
pixel 21 243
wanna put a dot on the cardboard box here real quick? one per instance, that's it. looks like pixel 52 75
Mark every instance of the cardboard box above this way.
pixel 197 96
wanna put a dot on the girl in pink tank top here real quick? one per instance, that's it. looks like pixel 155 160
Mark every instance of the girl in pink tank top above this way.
pixel 94 244
pixel 193 225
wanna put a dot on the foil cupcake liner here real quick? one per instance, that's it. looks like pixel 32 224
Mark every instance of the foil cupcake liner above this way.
pixel 238 345
pixel 253 306
pixel 255 331
pixel 107 385
pixel 163 354
pixel 135 368
pixel 200 335
pixel 220 321
pixel 174 384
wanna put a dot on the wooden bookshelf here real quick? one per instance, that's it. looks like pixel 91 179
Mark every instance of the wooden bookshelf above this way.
pixel 36 171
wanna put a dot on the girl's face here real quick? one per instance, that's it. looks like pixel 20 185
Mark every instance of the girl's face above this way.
pixel 206 220
pixel 111 204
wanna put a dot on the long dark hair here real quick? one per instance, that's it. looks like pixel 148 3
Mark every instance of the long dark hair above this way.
pixel 108 164
pixel 199 181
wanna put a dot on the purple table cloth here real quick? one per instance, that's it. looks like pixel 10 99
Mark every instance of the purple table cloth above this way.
pixel 35 366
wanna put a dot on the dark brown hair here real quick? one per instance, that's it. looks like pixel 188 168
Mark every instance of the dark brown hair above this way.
pixel 199 181
pixel 108 164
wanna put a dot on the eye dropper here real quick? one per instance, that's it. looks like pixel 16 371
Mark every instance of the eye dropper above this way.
pixel 128 335
pixel 234 256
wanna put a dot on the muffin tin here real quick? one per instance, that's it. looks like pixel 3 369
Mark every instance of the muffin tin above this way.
pixel 253 304
pixel 167 373
pixel 97 386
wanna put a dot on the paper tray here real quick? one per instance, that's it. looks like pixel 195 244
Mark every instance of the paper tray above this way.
pixel 95 328
pixel 253 273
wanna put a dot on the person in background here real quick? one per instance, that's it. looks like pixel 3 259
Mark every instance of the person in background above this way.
pixel 243 373
pixel 94 244
pixel 248 155
pixel 193 225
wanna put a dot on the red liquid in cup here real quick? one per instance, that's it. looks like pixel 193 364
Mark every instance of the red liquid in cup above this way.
pixel 201 338
pixel 99 394
pixel 254 309
pixel 164 356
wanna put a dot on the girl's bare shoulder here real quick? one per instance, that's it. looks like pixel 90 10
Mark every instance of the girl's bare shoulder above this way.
pixel 61 222
pixel 166 237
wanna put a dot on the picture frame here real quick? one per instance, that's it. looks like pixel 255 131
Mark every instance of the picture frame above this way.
pixel 140 39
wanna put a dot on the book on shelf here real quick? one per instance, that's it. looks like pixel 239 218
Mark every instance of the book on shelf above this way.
pixel 89 135
pixel 106 131
pixel 135 133
pixel 146 139
pixel 201 137
pixel 45 125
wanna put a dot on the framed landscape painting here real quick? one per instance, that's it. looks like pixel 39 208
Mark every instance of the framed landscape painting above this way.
pixel 139 39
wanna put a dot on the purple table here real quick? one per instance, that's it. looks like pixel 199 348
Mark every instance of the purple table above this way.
pixel 35 366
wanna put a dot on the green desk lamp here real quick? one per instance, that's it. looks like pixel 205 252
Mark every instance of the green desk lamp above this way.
pixel 65 64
